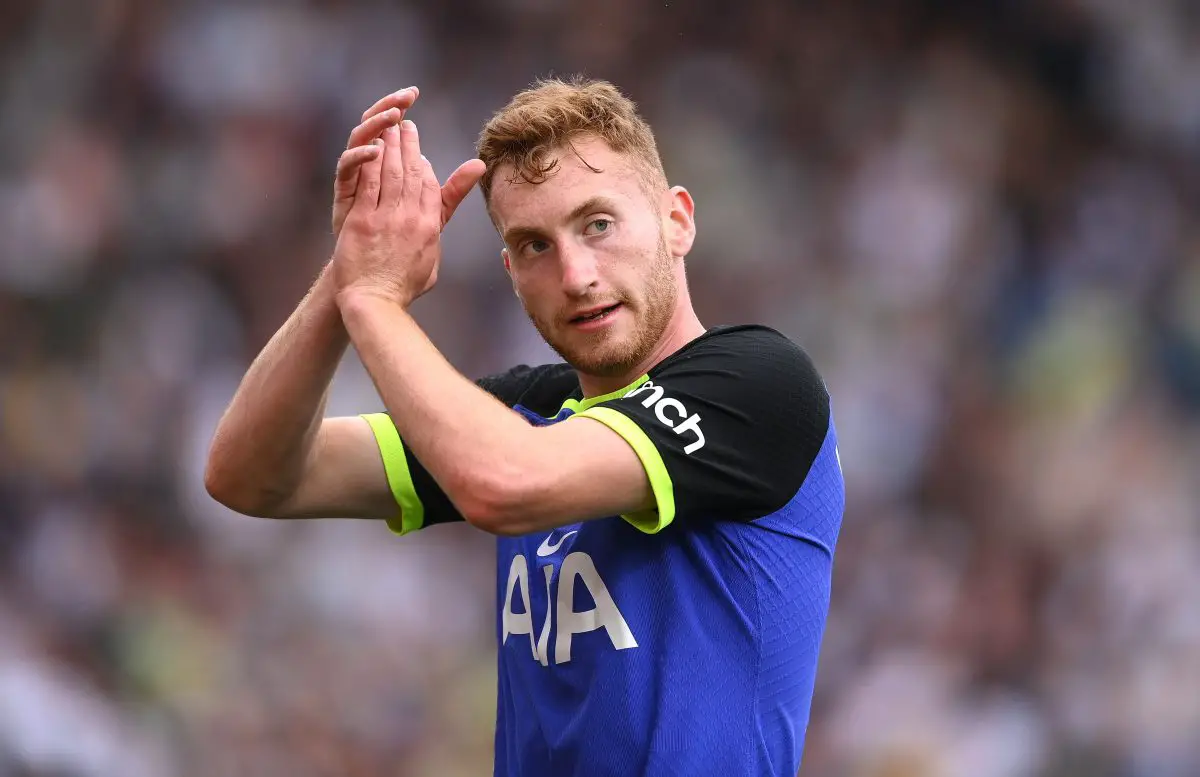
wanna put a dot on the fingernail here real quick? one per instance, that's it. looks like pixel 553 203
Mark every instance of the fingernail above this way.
pixel 408 124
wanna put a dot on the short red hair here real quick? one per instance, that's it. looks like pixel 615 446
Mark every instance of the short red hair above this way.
pixel 550 115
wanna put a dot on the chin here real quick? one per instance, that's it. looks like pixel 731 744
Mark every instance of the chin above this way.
pixel 603 368
pixel 609 357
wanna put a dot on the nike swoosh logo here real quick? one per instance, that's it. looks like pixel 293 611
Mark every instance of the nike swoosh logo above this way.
pixel 546 549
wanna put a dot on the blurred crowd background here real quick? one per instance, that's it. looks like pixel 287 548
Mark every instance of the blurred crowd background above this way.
pixel 978 217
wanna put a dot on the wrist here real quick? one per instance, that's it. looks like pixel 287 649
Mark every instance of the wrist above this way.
pixel 362 301
pixel 326 284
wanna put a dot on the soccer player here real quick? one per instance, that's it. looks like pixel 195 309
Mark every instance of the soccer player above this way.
pixel 666 501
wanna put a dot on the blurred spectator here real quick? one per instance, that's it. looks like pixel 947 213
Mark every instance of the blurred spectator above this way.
pixel 976 216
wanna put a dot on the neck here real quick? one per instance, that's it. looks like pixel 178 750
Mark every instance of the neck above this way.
pixel 683 328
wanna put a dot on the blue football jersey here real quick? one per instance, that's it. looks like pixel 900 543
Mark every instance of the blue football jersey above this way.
pixel 683 640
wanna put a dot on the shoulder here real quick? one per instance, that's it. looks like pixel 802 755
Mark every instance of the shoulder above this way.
pixel 750 360
pixel 745 343
pixel 540 388
pixel 737 418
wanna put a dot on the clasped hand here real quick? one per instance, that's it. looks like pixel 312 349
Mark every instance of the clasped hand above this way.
pixel 389 209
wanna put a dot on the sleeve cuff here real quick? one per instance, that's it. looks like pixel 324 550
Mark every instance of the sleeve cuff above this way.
pixel 654 520
pixel 395 463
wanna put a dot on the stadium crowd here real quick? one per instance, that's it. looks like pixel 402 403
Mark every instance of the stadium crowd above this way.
pixel 979 218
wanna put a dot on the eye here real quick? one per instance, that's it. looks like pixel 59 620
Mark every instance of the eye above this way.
pixel 598 226
pixel 534 247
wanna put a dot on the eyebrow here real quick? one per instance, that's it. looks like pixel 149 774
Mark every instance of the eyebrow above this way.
pixel 591 204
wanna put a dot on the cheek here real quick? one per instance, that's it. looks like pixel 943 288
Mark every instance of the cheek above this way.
pixel 639 267
pixel 532 289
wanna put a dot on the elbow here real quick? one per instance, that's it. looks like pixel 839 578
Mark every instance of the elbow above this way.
pixel 497 506
pixel 227 489
pixel 494 516
pixel 223 490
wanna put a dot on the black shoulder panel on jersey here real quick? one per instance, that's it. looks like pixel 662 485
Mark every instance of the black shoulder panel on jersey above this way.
pixel 530 386
pixel 544 389
pixel 738 416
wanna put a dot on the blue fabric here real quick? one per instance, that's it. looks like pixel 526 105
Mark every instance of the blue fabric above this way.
pixel 727 618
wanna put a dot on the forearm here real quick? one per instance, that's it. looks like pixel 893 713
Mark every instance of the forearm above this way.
pixel 473 444
pixel 267 434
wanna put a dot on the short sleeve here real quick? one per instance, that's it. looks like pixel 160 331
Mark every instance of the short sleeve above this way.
pixel 421 500
pixel 727 428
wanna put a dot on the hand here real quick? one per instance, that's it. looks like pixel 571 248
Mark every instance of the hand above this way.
pixel 390 244
pixel 365 144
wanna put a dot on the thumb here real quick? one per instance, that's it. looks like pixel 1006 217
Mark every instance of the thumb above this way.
pixel 459 185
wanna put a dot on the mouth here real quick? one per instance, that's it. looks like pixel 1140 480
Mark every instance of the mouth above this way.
pixel 595 314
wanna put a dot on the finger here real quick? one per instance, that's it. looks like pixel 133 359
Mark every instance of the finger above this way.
pixel 402 99
pixel 373 127
pixel 367 195
pixel 459 185
pixel 392 181
pixel 410 156
pixel 347 168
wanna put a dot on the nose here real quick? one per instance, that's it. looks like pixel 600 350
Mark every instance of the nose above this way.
pixel 579 270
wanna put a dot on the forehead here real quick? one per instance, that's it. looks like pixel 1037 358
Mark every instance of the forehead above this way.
pixel 571 182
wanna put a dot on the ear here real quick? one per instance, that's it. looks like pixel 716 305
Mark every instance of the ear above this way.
pixel 679 222
pixel 508 269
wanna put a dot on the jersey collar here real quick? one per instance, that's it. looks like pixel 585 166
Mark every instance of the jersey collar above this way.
pixel 579 405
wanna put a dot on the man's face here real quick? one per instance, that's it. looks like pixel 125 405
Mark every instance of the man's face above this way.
pixel 587 257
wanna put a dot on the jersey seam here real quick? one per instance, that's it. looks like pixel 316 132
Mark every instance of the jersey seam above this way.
pixel 758 657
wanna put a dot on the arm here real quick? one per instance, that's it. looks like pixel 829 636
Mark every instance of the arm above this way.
pixel 273 453
pixel 503 475
pixel 731 429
